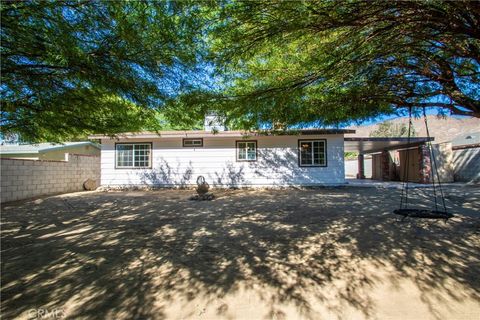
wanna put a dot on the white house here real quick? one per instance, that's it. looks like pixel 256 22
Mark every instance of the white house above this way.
pixel 225 158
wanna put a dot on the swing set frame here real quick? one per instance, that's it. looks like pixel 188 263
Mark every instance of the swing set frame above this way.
pixel 409 212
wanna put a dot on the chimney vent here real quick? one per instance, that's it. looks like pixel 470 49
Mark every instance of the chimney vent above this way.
pixel 213 122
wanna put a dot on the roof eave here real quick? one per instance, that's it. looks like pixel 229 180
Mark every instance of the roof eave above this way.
pixel 220 134
pixel 19 152
pixel 60 147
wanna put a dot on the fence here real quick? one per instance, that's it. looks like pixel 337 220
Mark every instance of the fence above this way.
pixel 351 168
pixel 22 179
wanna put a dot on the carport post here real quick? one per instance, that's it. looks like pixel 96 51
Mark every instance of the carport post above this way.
pixel 361 167
pixel 425 164
pixel 385 165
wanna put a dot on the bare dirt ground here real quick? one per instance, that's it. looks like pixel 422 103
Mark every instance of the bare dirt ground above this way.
pixel 335 253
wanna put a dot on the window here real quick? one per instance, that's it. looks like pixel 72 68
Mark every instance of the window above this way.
pixel 246 150
pixel 133 155
pixel 312 153
pixel 193 142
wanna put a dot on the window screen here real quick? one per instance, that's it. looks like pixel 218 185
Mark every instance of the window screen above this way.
pixel 193 142
pixel 312 153
pixel 246 150
pixel 133 155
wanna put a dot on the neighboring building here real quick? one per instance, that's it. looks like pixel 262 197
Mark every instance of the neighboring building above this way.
pixel 225 158
pixel 466 157
pixel 466 141
pixel 48 151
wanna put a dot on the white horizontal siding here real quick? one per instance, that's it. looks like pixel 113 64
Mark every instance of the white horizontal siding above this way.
pixel 175 165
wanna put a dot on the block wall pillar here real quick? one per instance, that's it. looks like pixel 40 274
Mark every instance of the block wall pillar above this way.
pixel 425 164
pixel 385 165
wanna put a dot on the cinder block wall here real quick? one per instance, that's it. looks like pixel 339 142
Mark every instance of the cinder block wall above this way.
pixel 444 159
pixel 22 179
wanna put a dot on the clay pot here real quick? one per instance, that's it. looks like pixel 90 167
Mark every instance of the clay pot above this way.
pixel 202 186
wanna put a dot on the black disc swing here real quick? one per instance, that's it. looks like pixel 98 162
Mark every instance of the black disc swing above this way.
pixel 404 210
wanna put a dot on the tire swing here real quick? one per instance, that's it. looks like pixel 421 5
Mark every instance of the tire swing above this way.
pixel 405 210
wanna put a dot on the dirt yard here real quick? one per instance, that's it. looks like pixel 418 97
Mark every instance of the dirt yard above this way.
pixel 334 253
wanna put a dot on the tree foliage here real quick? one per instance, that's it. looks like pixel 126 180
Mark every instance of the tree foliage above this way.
pixel 74 67
pixel 295 62
pixel 71 68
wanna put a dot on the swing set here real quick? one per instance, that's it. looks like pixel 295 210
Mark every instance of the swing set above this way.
pixel 439 211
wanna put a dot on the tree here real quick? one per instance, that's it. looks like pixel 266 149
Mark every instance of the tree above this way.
pixel 390 129
pixel 71 68
pixel 335 61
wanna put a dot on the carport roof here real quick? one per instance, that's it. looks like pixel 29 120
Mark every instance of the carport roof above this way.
pixel 372 145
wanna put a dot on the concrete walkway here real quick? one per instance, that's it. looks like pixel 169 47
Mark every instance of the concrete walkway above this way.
pixel 369 183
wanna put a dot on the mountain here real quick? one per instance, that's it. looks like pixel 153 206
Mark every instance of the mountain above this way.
pixel 443 129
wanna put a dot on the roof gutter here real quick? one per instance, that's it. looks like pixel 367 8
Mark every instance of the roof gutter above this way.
pixel 220 134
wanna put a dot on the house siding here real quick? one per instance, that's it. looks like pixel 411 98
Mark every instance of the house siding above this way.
pixel 276 165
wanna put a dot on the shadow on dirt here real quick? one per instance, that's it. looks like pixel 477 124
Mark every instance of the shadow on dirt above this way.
pixel 131 254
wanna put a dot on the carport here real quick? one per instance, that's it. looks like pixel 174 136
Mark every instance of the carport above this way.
pixel 391 155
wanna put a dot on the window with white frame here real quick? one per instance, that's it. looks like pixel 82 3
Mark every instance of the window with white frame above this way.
pixel 246 150
pixel 193 142
pixel 133 155
pixel 312 153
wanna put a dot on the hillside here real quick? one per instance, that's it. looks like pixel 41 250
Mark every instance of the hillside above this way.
pixel 443 129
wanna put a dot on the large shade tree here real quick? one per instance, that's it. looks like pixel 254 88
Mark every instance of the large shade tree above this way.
pixel 298 62
pixel 73 67
pixel 70 68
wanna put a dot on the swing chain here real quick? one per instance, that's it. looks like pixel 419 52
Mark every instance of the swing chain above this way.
pixel 405 182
